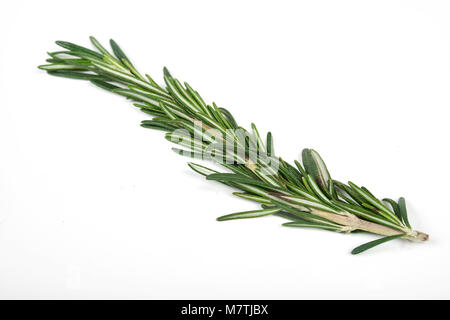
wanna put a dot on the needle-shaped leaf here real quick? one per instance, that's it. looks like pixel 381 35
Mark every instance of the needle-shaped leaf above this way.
pixel 315 166
pixel 298 224
pixel 74 47
pixel 269 144
pixel 252 197
pixel 105 85
pixel 118 52
pixel 229 117
pixel 157 125
pixel 318 192
pixel 234 178
pixel 394 206
pixel 260 143
pixel 201 169
pixel 248 214
pixel 220 117
pixel 99 46
pixel 371 244
pixel 167 111
pixel 61 66
pixel 167 73
pixel 300 167
pixel 315 204
pixel 75 75
pixel 403 211
pixel 331 189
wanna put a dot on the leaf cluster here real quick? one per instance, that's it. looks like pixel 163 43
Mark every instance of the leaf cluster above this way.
pixel 295 191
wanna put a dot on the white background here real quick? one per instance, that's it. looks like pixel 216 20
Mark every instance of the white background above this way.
pixel 94 206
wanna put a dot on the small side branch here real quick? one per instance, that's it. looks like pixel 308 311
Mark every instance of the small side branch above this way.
pixel 354 223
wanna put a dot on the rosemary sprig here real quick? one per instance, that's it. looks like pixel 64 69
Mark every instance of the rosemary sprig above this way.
pixel 303 193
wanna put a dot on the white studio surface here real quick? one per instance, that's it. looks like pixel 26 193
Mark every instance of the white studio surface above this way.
pixel 94 206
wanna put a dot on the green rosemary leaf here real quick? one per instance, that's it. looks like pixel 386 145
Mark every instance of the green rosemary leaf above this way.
pixel 221 117
pixel 331 189
pixel 213 115
pixel 371 244
pixel 75 75
pixel 167 110
pixel 367 191
pixel 298 224
pixel 124 61
pixel 403 211
pixel 62 56
pixel 150 111
pixel 153 96
pixel 235 178
pixel 252 197
pixel 315 167
pixel 248 214
pixel 260 143
pixel 73 47
pixel 269 144
pixel 300 168
pixel 108 58
pixel 302 192
pixel 300 212
pixel 312 204
pixel 150 79
pixel 201 169
pixel 118 52
pixel 82 63
pixel 99 46
pixel 369 206
pixel 57 67
pixel 344 197
pixel 52 61
pixel 158 125
pixel 317 190
pixel 229 117
pixel 394 206
pixel 105 85
pixel 137 97
pixel 151 108
pixel 307 186
pixel 239 169
pixel 167 73
pixel 286 215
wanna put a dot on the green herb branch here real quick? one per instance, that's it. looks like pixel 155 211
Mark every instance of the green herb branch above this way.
pixel 303 193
